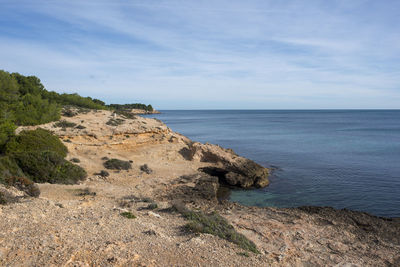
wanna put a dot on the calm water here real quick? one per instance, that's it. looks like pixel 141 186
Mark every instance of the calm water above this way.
pixel 344 159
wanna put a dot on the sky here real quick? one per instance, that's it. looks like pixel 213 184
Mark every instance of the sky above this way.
pixel 233 54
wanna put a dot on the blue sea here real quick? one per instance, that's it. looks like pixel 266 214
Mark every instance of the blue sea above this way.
pixel 340 158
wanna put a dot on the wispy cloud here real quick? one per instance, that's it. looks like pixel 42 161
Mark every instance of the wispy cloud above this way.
pixel 210 54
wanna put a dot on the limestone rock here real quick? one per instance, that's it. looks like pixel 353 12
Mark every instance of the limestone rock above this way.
pixel 234 170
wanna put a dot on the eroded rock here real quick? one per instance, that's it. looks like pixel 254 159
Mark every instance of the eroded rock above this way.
pixel 232 169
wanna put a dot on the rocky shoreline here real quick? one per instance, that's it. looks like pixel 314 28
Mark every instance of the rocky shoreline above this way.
pixel 82 225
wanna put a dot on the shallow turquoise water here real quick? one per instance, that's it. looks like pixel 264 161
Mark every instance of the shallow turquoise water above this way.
pixel 340 158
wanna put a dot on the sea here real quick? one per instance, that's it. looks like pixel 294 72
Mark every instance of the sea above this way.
pixel 339 158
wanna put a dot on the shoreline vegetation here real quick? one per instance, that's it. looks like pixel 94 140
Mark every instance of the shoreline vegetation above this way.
pixel 104 186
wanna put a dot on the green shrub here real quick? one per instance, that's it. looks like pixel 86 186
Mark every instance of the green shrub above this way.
pixel 115 122
pixel 25 185
pixel 37 140
pixel 8 168
pixel 85 192
pixel 128 215
pixel 64 124
pixel 49 167
pixel 103 173
pixel 216 225
pixel 126 114
pixel 117 164
pixel 75 160
pixel 7 129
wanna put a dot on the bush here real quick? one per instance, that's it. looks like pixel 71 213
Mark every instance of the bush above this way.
pixel 49 167
pixel 115 122
pixel 216 225
pixel 128 215
pixel 75 160
pixel 145 168
pixel 64 124
pixel 117 164
pixel 8 168
pixel 68 112
pixel 103 173
pixel 25 185
pixel 37 140
pixel 126 114
pixel 85 192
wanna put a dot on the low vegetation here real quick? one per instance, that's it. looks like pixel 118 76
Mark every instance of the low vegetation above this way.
pixel 117 164
pixel 214 224
pixel 85 192
pixel 128 215
pixel 115 122
pixel 49 167
pixel 24 184
pixel 145 168
pixel 125 113
pixel 37 140
pixel 64 124
pixel 37 156
pixel 103 173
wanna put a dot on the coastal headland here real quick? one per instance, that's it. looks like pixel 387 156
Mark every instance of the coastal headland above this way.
pixel 137 213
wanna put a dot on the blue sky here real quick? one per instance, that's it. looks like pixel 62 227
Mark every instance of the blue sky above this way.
pixel 209 54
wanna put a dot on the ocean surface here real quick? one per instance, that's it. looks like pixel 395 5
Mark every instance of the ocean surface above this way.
pixel 340 158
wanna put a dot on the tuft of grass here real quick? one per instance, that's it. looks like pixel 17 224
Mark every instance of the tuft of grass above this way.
pixel 128 215
pixel 117 164
pixel 64 124
pixel 126 114
pixel 24 184
pixel 215 224
pixel 115 122
pixel 85 192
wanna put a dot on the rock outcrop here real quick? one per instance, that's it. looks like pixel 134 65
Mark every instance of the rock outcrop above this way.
pixel 228 166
